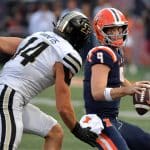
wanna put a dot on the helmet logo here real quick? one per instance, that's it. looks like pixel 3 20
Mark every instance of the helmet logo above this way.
pixel 86 28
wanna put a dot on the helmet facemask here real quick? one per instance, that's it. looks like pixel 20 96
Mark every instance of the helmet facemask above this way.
pixel 114 40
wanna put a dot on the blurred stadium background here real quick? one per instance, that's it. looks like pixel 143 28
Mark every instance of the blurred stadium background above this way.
pixel 23 17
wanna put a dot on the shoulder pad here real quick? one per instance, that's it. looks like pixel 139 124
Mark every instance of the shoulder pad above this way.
pixel 102 48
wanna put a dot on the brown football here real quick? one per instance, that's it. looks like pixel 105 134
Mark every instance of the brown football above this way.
pixel 142 102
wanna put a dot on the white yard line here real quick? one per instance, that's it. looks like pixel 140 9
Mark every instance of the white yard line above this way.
pixel 77 103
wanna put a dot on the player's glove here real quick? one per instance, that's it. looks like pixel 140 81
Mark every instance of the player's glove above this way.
pixel 84 134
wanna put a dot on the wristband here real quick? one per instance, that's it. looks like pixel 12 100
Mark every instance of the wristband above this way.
pixel 107 94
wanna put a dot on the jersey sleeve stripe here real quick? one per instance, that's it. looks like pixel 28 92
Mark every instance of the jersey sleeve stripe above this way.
pixel 79 63
pixel 72 63
pixel 104 48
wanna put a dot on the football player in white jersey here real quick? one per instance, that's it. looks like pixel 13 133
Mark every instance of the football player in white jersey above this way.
pixel 42 60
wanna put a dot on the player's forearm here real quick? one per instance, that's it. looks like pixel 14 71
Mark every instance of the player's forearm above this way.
pixel 63 97
pixel 114 93
pixel 68 117
pixel 9 45
pixel 118 92
pixel 64 105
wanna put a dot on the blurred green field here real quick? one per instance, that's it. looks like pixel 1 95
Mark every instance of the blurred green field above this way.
pixel 31 142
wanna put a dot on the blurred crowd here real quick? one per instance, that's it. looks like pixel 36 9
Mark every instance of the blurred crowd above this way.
pixel 23 17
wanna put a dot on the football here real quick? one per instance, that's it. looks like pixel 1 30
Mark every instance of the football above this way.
pixel 142 102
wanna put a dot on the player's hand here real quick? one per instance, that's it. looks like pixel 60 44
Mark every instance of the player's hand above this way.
pixel 84 134
pixel 137 87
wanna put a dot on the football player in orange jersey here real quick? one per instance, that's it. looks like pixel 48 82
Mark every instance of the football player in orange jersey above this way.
pixel 104 84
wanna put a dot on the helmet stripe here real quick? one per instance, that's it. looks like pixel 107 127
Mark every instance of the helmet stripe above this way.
pixel 62 23
pixel 115 14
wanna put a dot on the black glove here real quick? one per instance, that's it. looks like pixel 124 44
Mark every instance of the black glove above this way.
pixel 84 134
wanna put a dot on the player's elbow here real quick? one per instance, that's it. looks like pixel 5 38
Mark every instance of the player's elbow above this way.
pixel 97 95
pixel 97 92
